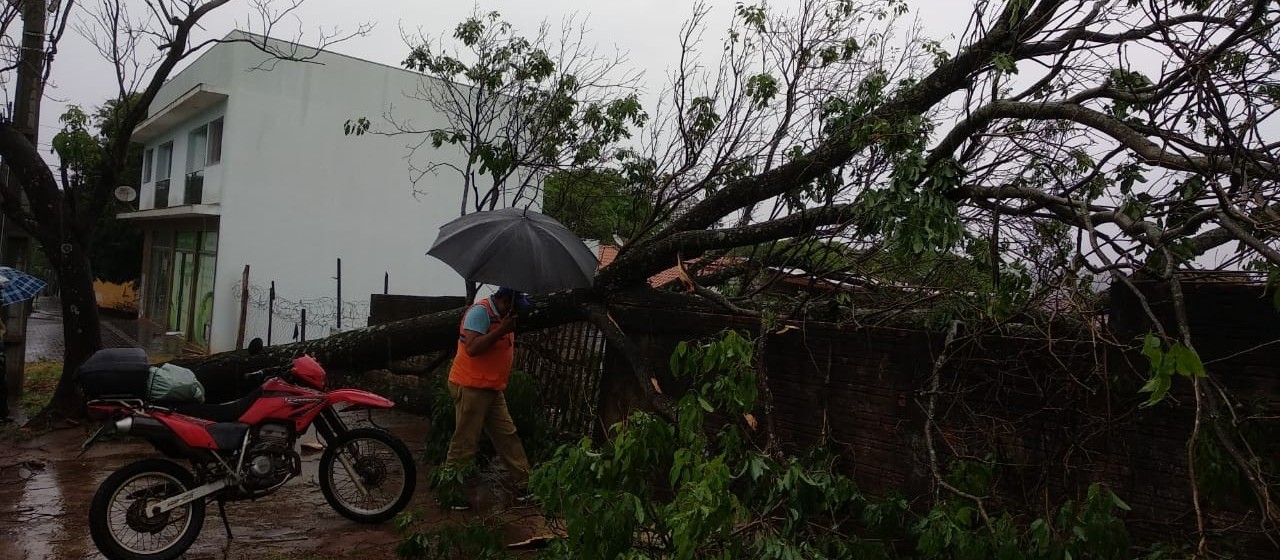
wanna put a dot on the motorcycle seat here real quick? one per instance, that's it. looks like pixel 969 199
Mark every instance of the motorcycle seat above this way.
pixel 225 412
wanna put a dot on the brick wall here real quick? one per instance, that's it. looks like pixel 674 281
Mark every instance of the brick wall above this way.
pixel 1057 414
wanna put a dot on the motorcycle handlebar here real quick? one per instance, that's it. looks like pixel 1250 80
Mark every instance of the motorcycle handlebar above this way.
pixel 265 373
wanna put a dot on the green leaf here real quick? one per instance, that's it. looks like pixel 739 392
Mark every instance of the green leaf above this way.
pixel 761 89
pixel 639 509
pixel 705 405
pixel 1118 502
pixel 1005 63
pixel 1158 386
pixel 1161 362
pixel 1186 361
pixel 1078 531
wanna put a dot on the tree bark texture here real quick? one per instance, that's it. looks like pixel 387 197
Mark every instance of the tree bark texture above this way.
pixel 372 347
pixel 82 331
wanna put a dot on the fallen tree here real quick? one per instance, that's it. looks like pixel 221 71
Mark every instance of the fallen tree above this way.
pixel 1030 150
pixel 376 346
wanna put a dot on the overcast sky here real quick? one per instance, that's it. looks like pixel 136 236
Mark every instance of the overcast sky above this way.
pixel 644 29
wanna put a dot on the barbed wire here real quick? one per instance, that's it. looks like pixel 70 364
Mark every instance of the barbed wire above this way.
pixel 286 314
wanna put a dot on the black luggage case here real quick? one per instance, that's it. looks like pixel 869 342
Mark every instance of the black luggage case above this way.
pixel 119 373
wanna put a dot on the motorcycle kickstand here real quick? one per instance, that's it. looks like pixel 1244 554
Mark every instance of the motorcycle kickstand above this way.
pixel 222 511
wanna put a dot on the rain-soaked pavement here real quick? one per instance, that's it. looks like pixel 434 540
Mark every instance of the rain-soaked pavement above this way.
pixel 44 330
pixel 45 492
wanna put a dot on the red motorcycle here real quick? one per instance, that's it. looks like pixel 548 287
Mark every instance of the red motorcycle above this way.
pixel 153 509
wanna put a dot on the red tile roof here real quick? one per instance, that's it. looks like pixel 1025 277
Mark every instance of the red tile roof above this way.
pixel 609 252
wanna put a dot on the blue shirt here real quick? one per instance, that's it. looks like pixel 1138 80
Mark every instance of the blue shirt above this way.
pixel 476 319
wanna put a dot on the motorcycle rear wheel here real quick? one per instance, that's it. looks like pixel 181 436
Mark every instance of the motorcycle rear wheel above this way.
pixel 119 524
pixel 367 475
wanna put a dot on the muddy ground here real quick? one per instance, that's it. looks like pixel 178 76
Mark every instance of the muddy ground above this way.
pixel 45 492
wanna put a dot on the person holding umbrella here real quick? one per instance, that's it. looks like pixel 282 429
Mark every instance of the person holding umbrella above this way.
pixel 15 286
pixel 525 252
pixel 477 379
pixel 4 387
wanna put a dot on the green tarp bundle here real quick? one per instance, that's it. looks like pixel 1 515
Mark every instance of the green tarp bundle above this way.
pixel 174 384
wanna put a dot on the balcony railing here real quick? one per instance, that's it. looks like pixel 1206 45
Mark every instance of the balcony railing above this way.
pixel 162 193
pixel 194 191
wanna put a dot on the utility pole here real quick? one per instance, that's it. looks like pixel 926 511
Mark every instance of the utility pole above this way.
pixel 339 279
pixel 30 84
pixel 15 243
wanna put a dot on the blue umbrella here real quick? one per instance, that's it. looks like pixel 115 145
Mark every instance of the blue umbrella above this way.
pixel 16 286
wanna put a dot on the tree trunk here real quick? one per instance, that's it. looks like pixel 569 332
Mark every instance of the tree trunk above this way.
pixel 375 347
pixel 81 329
pixel 371 347
pixel 60 238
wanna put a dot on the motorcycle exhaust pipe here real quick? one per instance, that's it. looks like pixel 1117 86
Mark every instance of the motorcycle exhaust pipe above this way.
pixel 141 426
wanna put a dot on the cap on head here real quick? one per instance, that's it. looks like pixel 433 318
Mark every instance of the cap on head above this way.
pixel 519 300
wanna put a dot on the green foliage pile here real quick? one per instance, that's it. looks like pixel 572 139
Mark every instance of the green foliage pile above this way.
pixel 687 490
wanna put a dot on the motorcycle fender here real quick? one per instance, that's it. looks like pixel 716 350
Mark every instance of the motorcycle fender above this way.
pixel 103 411
pixel 358 398
pixel 190 431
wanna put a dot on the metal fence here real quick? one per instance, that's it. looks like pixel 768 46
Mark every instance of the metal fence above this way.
pixel 566 363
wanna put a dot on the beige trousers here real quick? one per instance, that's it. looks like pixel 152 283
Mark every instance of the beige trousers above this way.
pixel 485 409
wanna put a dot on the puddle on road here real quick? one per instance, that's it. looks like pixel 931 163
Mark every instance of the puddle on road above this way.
pixel 44 506
pixel 49 497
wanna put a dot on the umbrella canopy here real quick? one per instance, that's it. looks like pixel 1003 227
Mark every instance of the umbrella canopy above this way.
pixel 516 248
pixel 16 286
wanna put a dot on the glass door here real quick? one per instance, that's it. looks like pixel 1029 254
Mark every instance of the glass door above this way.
pixel 206 265
pixel 180 290
pixel 158 282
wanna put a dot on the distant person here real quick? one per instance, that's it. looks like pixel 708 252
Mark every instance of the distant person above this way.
pixel 486 349
pixel 4 385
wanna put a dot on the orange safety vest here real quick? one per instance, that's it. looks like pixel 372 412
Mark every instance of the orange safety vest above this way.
pixel 489 370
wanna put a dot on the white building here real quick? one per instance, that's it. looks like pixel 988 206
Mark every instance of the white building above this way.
pixel 250 166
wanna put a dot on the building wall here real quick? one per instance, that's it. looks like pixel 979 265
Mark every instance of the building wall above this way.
pixel 296 194
pixel 215 68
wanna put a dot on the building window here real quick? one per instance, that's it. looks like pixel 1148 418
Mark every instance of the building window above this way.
pixel 147 159
pixel 215 141
pixel 164 164
pixel 197 157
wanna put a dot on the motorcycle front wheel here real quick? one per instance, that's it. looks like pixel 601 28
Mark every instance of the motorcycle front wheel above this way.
pixel 118 519
pixel 367 475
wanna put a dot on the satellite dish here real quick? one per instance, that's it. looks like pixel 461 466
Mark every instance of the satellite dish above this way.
pixel 126 194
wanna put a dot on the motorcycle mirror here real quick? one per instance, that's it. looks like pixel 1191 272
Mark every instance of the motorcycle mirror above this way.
pixel 255 346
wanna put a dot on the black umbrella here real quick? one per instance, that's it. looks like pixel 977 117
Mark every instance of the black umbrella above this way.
pixel 516 248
